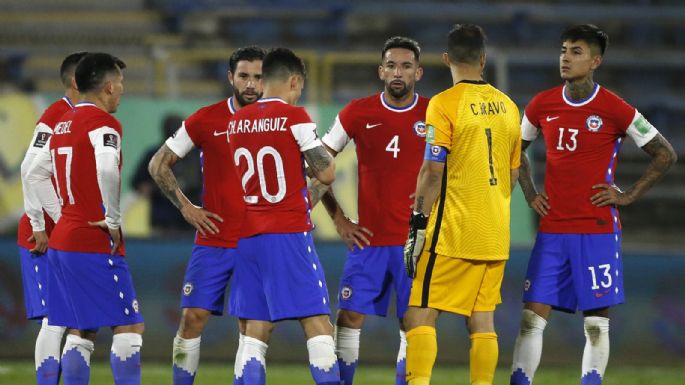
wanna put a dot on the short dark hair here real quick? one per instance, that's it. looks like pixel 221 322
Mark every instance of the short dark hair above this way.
pixel 93 68
pixel 466 43
pixel 250 53
pixel 66 70
pixel 589 33
pixel 402 42
pixel 281 63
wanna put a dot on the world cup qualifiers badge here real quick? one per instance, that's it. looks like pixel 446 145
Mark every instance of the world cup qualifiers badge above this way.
pixel 593 123
pixel 430 134
pixel 420 129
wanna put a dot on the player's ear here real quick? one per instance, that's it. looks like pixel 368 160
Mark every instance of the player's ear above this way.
pixel 229 76
pixel 446 59
pixel 419 73
pixel 380 72
pixel 483 59
pixel 108 87
pixel 73 83
pixel 596 62
pixel 294 81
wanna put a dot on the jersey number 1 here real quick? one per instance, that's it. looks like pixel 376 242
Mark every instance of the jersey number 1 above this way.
pixel 493 180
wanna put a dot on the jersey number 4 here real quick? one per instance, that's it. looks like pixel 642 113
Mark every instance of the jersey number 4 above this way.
pixel 393 146
pixel 242 152
pixel 65 151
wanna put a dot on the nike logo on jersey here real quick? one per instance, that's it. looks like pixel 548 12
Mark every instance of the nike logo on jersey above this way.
pixel 372 125
pixel 220 133
pixel 550 118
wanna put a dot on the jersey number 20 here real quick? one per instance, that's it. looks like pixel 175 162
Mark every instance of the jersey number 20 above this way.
pixel 242 152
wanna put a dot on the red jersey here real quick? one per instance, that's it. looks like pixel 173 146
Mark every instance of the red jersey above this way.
pixel 582 140
pixel 207 129
pixel 41 135
pixel 76 138
pixel 267 139
pixel 390 144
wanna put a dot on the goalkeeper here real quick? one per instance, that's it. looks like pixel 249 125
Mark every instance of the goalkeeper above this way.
pixel 471 161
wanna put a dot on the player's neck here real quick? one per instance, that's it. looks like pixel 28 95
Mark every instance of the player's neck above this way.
pixel 465 72
pixel 95 99
pixel 277 91
pixel 72 95
pixel 579 89
pixel 400 102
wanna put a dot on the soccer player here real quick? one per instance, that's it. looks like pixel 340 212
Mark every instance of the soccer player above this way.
pixel 278 275
pixel 219 220
pixel 389 132
pixel 90 285
pixel 470 168
pixel 42 211
pixel 576 261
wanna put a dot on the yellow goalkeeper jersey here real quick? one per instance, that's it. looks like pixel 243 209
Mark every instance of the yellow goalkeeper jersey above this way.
pixel 480 127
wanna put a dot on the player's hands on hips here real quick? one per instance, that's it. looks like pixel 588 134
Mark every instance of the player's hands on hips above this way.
pixel 115 234
pixel 201 219
pixel 540 203
pixel 41 239
pixel 609 195
pixel 352 233
pixel 414 245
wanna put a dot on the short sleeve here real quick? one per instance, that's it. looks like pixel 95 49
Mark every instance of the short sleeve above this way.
pixel 530 122
pixel 106 139
pixel 336 138
pixel 304 130
pixel 180 142
pixel 438 124
pixel 641 130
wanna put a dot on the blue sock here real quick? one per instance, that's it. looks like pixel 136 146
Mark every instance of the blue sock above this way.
pixel 519 378
pixel 323 363
pixel 181 376
pixel 250 362
pixel 401 372
pixel 48 372
pixel 592 378
pixel 347 371
pixel 125 358
pixel 76 361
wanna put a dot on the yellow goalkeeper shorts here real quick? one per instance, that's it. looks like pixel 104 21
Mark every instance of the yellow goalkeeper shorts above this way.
pixel 457 285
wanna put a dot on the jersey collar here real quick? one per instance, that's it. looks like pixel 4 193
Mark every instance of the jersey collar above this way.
pixel 581 102
pixel 231 107
pixel 68 101
pixel 272 99
pixel 85 104
pixel 399 109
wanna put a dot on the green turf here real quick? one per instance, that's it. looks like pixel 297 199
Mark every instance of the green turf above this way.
pixel 21 373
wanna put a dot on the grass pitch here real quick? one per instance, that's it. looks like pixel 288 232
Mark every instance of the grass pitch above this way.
pixel 154 373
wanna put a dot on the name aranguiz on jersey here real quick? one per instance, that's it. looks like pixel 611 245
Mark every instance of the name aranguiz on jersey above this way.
pixel 253 126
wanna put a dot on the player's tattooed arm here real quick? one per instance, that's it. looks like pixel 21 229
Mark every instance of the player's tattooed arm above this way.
pixel 160 170
pixel 537 201
pixel 663 157
pixel 321 164
pixel 428 186
pixel 317 191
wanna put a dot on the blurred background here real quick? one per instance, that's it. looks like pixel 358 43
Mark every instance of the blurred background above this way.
pixel 177 55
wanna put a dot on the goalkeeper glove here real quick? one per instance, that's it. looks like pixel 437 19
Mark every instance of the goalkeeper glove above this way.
pixel 415 241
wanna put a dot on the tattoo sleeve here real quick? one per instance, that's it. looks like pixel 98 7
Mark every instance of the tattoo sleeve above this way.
pixel 663 157
pixel 525 174
pixel 318 159
pixel 318 192
pixel 160 170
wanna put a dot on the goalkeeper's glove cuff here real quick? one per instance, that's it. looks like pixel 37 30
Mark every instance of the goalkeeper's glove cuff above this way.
pixel 418 221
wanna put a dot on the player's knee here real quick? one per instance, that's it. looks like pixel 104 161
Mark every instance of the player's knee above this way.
pixel 350 319
pixel 193 322
pixel 531 322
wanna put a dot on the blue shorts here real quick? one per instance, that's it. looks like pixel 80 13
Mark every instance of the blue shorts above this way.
pixel 34 276
pixel 90 290
pixel 207 275
pixel 575 271
pixel 367 279
pixel 277 277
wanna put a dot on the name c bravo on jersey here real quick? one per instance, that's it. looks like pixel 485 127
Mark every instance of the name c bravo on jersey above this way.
pixel 489 108
pixel 253 126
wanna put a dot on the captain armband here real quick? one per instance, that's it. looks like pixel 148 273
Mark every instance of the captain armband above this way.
pixel 435 153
